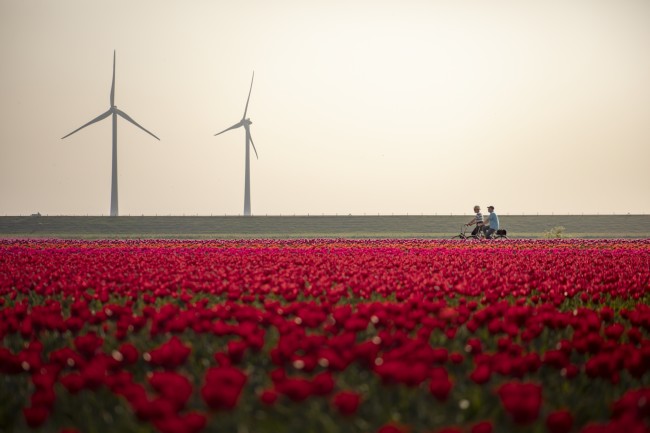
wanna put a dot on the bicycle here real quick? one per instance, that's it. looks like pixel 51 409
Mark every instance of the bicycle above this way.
pixel 464 235
pixel 480 235
pixel 500 234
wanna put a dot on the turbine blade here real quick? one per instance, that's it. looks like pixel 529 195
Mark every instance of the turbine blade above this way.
pixel 113 85
pixel 96 119
pixel 235 126
pixel 250 137
pixel 249 96
pixel 126 116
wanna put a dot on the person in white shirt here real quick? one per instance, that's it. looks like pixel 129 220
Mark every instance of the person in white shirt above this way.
pixel 478 220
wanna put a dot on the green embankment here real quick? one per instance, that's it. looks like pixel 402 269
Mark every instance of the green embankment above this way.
pixel 228 227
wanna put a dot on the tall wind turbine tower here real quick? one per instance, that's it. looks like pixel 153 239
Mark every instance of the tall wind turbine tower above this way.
pixel 113 110
pixel 246 123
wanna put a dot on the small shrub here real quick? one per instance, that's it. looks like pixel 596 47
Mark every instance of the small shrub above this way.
pixel 556 232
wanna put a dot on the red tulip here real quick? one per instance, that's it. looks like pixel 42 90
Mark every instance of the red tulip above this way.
pixel 392 428
pixel 174 387
pixel 190 423
pixel 73 382
pixel 482 427
pixel 128 353
pixel 559 422
pixel 88 344
pixel 151 410
pixel 346 402
pixel 440 385
pixel 322 384
pixel 170 355
pixel 222 387
pixel 481 374
pixel 36 416
pixel 269 397
pixel 297 389
pixel 521 400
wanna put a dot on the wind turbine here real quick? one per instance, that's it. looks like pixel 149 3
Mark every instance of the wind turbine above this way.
pixel 115 112
pixel 246 123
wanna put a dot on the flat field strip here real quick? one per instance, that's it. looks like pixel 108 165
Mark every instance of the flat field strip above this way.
pixel 225 227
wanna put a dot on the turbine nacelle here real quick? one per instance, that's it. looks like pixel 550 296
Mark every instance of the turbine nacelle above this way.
pixel 246 122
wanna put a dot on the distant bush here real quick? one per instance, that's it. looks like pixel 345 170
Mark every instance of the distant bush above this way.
pixel 556 232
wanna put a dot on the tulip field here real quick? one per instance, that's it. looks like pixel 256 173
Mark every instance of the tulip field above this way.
pixel 325 335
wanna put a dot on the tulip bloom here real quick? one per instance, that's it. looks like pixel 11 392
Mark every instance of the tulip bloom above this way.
pixel 222 387
pixel 346 402
pixel 521 400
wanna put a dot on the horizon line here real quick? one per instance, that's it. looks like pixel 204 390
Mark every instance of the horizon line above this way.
pixel 408 214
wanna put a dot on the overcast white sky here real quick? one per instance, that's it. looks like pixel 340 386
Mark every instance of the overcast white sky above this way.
pixel 357 107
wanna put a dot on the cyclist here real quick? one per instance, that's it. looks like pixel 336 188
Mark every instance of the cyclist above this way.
pixel 478 220
pixel 493 223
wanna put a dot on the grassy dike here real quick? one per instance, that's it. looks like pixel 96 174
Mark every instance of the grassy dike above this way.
pixel 231 227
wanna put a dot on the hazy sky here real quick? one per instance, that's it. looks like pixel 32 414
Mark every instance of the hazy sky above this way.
pixel 357 107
